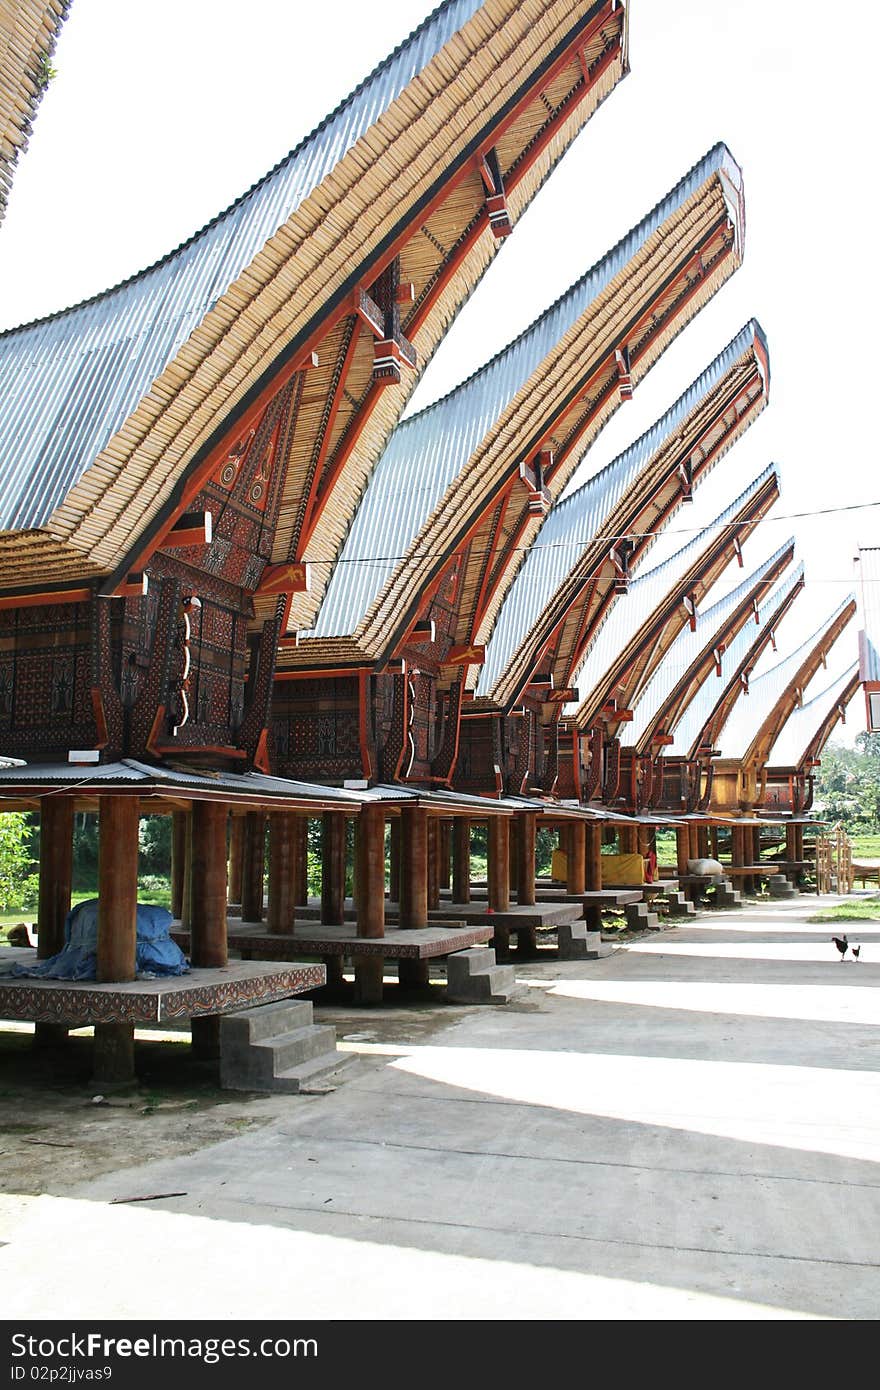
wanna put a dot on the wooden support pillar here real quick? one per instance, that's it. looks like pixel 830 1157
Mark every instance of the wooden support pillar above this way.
pixel 236 852
pixel 186 899
pixel 414 867
pixel 576 858
pixel 461 860
pixel 178 863
pixel 445 850
pixel 682 848
pixel 208 941
pixel 56 877
pixel 526 833
pixel 513 859
pixel 497 868
pixel 394 860
pixel 433 864
pixel 370 901
pixel 593 872
pixel 56 873
pixel 713 842
pixel 703 841
pixel 253 859
pixel 694 840
pixel 333 849
pixel 628 837
pixel 301 878
pixel 118 821
pixel 282 871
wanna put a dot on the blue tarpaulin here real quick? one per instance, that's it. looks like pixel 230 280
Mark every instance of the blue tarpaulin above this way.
pixel 156 953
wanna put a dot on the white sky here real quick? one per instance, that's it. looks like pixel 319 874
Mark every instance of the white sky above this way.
pixel 162 114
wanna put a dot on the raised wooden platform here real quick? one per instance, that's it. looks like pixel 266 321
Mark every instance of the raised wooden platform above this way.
pixel 201 992
pixel 308 939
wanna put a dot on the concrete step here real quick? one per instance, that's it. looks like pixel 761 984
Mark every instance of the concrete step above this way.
pixel 275 1047
pixel 726 895
pixel 639 917
pixel 473 977
pixel 778 886
pixel 678 902
pixel 577 942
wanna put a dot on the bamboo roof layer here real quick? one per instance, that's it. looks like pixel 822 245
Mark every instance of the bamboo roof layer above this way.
pixel 868 559
pixel 28 32
pixel 712 702
pixel 638 632
pixel 759 718
pixel 108 409
pixel 446 466
pixel 567 577
pixel 807 729
pixel 698 652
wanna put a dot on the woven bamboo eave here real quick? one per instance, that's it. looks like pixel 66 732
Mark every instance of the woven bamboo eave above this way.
pixel 626 676
pixel 297 283
pixel 580 354
pixel 685 689
pixel 28 32
pixel 770 726
pixel 569 619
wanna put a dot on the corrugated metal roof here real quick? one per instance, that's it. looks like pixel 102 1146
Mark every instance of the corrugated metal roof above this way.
pixel 645 595
pixel 689 648
pixel 752 709
pixel 430 450
pixel 698 711
pixel 803 724
pixel 869 637
pixel 576 522
pixel 133 773
pixel 68 382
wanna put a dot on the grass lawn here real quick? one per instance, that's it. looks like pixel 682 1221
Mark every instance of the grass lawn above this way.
pixel 859 910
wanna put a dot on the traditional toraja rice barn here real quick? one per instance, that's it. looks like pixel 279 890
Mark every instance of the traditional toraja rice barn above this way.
pixel 172 448
pixel 868 560
pixel 463 487
pixel 636 636
pixel 758 718
pixel 684 780
pixel 28 33
pixel 797 752
pixel 581 563
pixel 695 657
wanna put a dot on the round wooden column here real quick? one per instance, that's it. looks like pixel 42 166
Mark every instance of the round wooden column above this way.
pixel 186 875
pixel 526 833
pixel 497 868
pixel 628 838
pixel 252 863
pixel 333 848
pixel 433 863
pixel 282 871
pixel 445 852
pixel 576 859
pixel 414 867
pixel 301 877
pixel 461 860
pixel 394 860
pixel 713 842
pixel 703 841
pixel 370 901
pixel 118 821
pixel 178 863
pixel 56 876
pixel 236 852
pixel 208 942
pixel 682 848
pixel 56 873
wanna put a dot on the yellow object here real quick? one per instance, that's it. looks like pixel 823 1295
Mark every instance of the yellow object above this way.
pixel 622 870
pixel 559 866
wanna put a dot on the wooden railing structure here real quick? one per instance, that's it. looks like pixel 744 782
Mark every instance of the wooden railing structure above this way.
pixel 834 864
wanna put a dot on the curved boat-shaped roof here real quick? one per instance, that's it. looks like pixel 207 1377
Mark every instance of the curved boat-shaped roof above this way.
pixel 429 452
pixel 803 725
pixel 688 731
pixel 770 693
pixel 645 597
pixel 28 33
pixel 869 637
pixel 581 519
pixel 691 648
pixel 103 406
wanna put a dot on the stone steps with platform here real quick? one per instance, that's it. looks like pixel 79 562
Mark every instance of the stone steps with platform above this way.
pixel 474 977
pixel 577 942
pixel 276 1047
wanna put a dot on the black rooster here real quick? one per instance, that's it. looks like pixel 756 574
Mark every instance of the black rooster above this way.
pixel 842 945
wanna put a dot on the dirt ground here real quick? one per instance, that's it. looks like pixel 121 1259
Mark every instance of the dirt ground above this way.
pixel 58 1129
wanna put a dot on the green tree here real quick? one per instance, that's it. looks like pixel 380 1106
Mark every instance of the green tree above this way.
pixel 848 785
pixel 18 884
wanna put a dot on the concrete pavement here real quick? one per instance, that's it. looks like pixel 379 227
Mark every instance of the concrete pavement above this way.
pixel 687 1129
